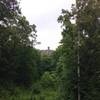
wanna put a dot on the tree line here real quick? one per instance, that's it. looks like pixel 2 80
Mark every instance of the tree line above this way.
pixel 71 72
pixel 79 64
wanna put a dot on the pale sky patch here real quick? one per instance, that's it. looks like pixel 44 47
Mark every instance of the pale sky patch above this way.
pixel 44 14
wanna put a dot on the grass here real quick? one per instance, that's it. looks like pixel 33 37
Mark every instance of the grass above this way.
pixel 15 94
pixel 47 94
pixel 20 93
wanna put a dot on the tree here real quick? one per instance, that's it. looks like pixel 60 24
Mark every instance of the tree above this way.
pixel 88 27
pixel 67 66
pixel 49 80
pixel 6 19
pixel 55 57
pixel 45 63
pixel 17 38
pixel 81 51
pixel 27 66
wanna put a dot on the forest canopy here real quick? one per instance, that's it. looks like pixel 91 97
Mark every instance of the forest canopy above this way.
pixel 71 72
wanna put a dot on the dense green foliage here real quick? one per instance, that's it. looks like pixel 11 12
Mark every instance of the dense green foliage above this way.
pixel 89 26
pixel 67 66
pixel 45 63
pixel 79 63
pixel 71 72
pixel 17 56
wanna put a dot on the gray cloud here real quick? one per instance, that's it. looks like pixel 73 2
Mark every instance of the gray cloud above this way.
pixel 44 14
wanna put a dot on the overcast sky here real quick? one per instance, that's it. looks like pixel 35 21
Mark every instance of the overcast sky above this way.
pixel 44 14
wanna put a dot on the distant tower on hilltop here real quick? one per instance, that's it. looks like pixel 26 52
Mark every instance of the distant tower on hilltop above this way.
pixel 48 50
